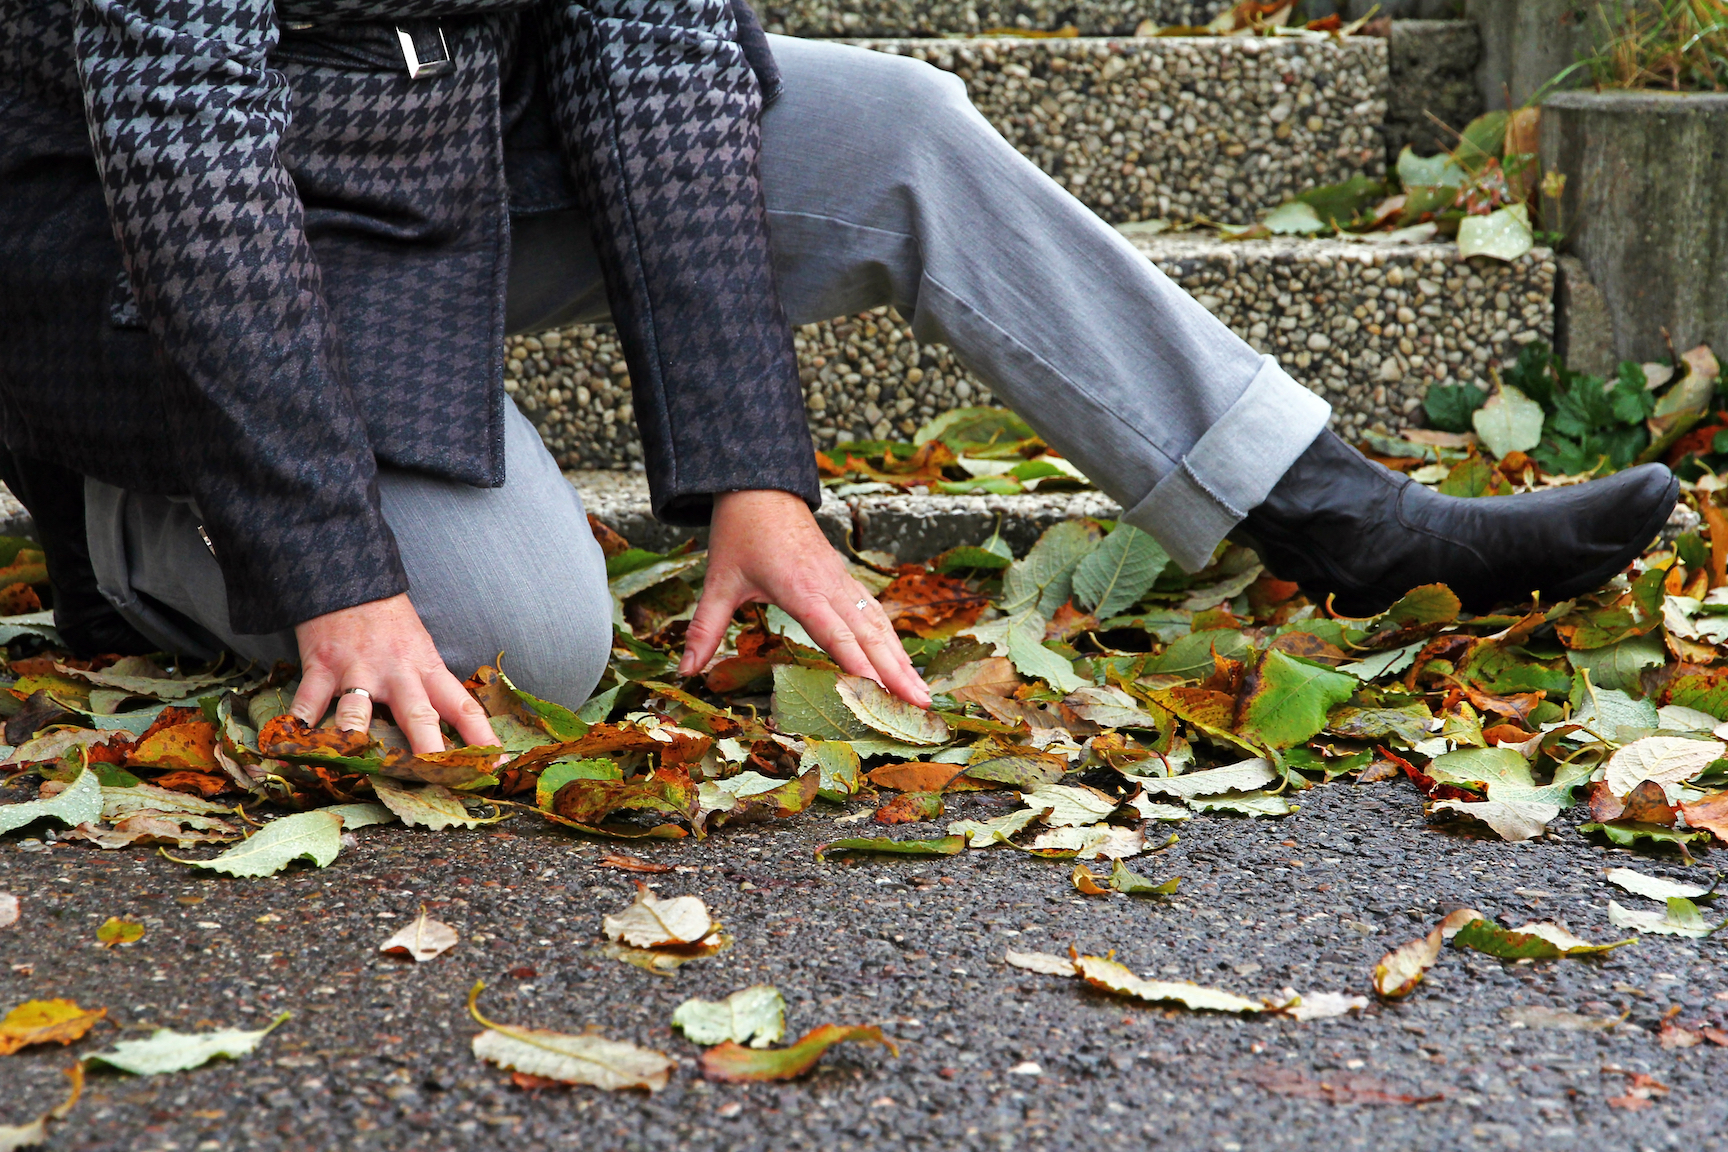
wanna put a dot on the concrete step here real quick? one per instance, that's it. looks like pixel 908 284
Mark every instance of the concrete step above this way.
pixel 821 18
pixel 1368 326
pixel 1172 128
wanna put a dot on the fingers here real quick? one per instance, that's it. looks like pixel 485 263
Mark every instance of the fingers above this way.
pixel 354 709
pixel 454 704
pixel 317 683
pixel 887 655
pixel 708 624
pixel 414 713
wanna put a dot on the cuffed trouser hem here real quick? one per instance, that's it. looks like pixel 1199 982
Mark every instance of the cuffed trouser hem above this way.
pixel 1232 467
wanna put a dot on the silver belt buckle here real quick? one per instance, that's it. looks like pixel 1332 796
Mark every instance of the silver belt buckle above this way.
pixel 424 69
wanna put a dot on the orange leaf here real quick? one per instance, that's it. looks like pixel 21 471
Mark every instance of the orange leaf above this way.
pixel 734 1062
pixel 917 777
pixel 192 783
pixel 45 1022
pixel 911 808
pixel 1710 813
pixel 188 747
pixel 920 601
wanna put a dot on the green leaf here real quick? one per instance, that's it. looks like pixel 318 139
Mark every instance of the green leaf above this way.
pixel 431 806
pixel 169 1051
pixel 1441 169
pixel 79 803
pixel 1482 767
pixel 1125 880
pixel 361 815
pixel 562 723
pixel 1605 711
pixel 561 772
pixel 1482 140
pixel 314 836
pixel 971 556
pixel 755 1016
pixel 599 707
pixel 1509 422
pixel 631 560
pixel 1450 407
pixel 875 706
pixel 1680 918
pixel 1388 663
pixel 1036 662
pixel 1294 219
pixel 1339 204
pixel 1244 803
pixel 807 703
pixel 1408 723
pixel 642 579
pixel 1627 834
pixel 963 428
pixel 837 761
pixel 1113 577
pixel 1286 700
pixel 1024 771
pixel 1531 942
pixel 1192 656
pixel 1043 579
pixel 733 1063
pixel 1502 235
pixel 939 846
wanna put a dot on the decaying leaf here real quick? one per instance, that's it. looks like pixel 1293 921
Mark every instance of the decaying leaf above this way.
pixel 733 1062
pixel 169 1051
pixel 14 1136
pixel 910 808
pixel 1346 1088
pixel 755 1016
pixel 1680 918
pixel 79 804
pixel 116 930
pixel 1247 776
pixel 430 806
pixel 651 922
pixel 1089 842
pixel 1325 1005
pixel 1071 805
pixel 582 1059
pixel 996 830
pixel 1668 760
pixel 423 939
pixel 1537 941
pixel 1042 962
pixel 8 909
pixel 1656 887
pixel 1400 970
pixel 889 715
pixel 46 1022
pixel 1113 977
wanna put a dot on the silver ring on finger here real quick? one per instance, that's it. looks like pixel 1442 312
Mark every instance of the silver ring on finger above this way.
pixel 862 602
pixel 357 692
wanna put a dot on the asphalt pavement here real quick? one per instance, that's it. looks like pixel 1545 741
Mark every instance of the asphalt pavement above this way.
pixel 376 1054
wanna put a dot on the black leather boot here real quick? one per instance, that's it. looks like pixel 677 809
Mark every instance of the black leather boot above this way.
pixel 1339 523
pixel 54 497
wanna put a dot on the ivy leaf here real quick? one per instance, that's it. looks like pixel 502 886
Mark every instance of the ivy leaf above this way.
pixel 169 1051
pixel 1113 576
pixel 755 1016
pixel 314 836
pixel 79 803
pixel 733 1063
pixel 1285 700
pixel 1451 406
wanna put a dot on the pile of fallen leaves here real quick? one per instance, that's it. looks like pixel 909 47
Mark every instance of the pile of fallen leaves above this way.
pixel 965 452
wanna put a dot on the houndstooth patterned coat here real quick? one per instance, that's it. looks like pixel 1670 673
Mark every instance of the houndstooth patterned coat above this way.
pixel 244 257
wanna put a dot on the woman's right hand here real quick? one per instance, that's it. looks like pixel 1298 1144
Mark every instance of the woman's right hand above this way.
pixel 385 649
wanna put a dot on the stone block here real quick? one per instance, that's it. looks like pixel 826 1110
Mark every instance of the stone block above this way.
pixel 1583 331
pixel 1432 66
pixel 1173 128
pixel 919 527
pixel 1527 43
pixel 620 500
pixel 935 17
pixel 1646 211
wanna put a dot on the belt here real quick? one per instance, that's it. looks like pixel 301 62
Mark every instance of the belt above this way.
pixel 417 45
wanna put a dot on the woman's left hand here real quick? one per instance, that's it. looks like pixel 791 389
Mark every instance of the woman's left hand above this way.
pixel 765 547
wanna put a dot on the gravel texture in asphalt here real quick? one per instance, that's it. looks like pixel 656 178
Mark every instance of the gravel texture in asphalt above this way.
pixel 377 1055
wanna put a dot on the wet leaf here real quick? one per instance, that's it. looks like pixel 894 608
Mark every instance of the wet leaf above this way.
pixel 169 1051
pixel 1503 235
pixel 730 1062
pixel 81 803
pixel 314 836
pixel 1536 941
pixel 1113 977
pixel 116 930
pixel 886 713
pixel 584 1059
pixel 755 1016
pixel 940 846
pixel 46 1022
pixel 423 939
pixel 651 922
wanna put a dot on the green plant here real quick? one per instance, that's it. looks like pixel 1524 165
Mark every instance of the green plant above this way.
pixel 1680 45
pixel 1589 420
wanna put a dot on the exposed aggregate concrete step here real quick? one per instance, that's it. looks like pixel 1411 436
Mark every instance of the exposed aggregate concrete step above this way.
pixel 820 18
pixel 1167 128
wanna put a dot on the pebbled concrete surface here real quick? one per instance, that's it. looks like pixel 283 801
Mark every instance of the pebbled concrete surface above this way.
pixel 376 1056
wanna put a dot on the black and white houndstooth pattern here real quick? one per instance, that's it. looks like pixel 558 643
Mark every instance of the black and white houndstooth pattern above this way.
pixel 318 254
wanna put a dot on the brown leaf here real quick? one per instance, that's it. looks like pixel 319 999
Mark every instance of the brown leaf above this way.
pixel 673 745
pixel 1087 882
pixel 17 599
pixel 1672 1035
pixel 925 603
pixel 1310 647
pixel 422 939
pixel 734 1062
pixel 1069 622
pixel 991 676
pixel 630 863
pixel 611 544
pixel 527 1081
pixel 911 808
pixel 192 783
pixel 917 777
pixel 1648 804
pixel 1710 814
pixel 736 673
pixel 287 737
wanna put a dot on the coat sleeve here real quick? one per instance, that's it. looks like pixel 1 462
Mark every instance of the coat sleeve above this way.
pixel 185 119
pixel 660 113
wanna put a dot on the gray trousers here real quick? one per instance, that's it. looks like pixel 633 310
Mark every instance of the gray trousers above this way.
pixel 884 186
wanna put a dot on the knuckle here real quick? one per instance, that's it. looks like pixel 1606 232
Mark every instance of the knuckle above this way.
pixel 420 712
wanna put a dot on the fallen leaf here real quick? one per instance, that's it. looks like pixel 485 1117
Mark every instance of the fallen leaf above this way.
pixel 81 803
pixel 314 836
pixel 1338 1088
pixel 1325 1006
pixel 1113 977
pixel 1655 887
pixel 668 959
pixel 1510 820
pixel 1042 962
pixel 584 1059
pixel 1086 882
pixel 14 1136
pixel 1244 803
pixel 881 710
pixel 1028 771
pixel 1680 918
pixel 8 909
pixel 939 846
pixel 362 815
pixel 630 864
pixel 921 602
pixel 116 930
pixel 1668 760
pixel 1400 970
pixel 1245 776
pixel 755 1016
pixel 1130 882
pixel 423 939
pixel 917 777
pixel 1537 941
pixel 1071 805
pixel 190 747
pixel 430 806
pixel 1536 1016
pixel 910 808
pixel 732 1063
pixel 45 1022
pixel 1112 577
pixel 996 830
pixel 170 1051
pixel 1709 814
pixel 651 922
